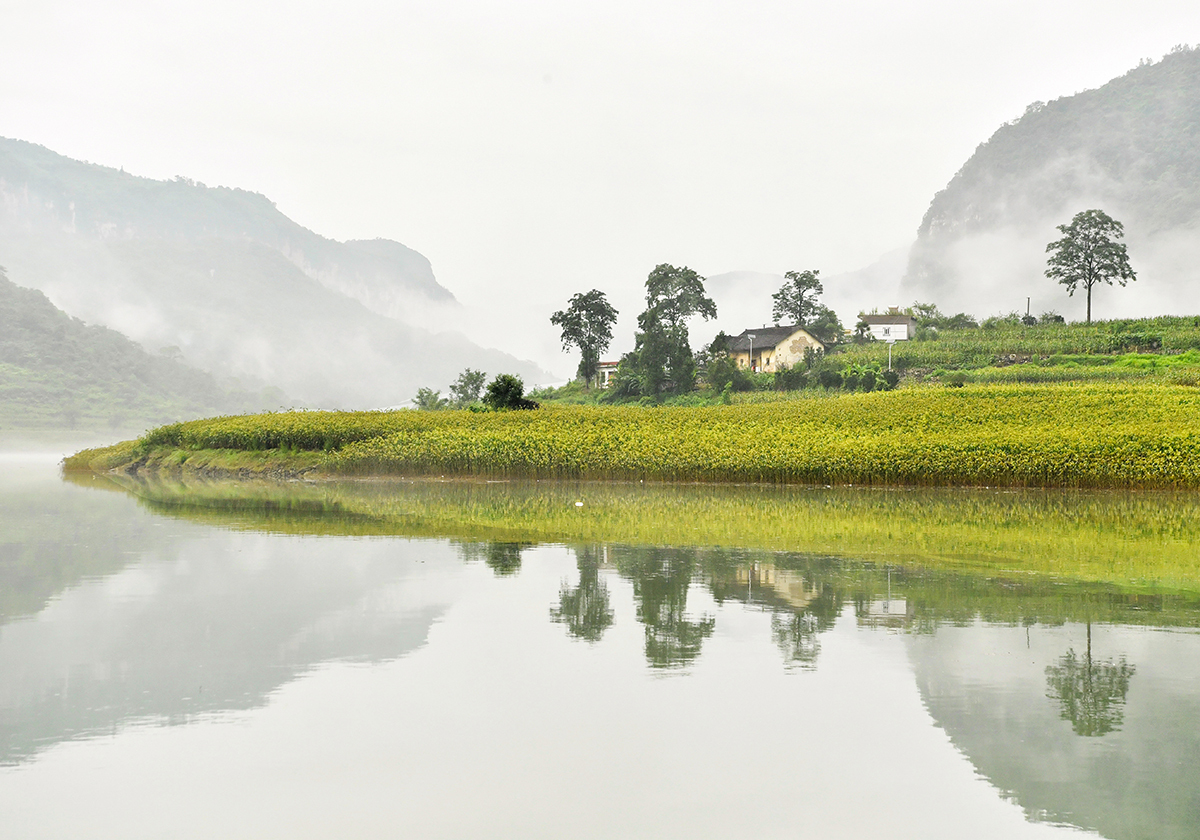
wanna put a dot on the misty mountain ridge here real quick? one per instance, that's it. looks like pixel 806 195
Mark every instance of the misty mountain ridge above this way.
pixel 1130 148
pixel 238 287
pixel 109 204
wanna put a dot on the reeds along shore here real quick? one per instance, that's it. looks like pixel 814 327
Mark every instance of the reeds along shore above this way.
pixel 1093 435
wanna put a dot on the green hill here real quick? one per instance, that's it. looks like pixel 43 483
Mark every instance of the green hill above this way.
pixel 56 371
pixel 1131 147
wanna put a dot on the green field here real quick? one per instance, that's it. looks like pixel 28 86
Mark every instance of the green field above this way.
pixel 1141 347
pixel 1049 435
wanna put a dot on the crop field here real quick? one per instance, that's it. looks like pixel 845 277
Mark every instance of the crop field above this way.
pixel 984 346
pixel 1065 435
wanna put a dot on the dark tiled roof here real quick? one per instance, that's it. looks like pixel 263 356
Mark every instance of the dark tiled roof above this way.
pixel 763 338
pixel 889 319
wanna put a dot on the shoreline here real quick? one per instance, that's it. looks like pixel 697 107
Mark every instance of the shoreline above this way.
pixel 1112 436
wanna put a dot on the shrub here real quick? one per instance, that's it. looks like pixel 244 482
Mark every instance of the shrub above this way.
pixel 829 379
pixel 790 379
pixel 507 393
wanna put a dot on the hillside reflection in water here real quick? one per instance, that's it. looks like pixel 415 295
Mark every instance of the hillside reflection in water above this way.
pixel 331 660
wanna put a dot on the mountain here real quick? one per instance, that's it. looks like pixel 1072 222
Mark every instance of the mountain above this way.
pixel 236 286
pixel 57 371
pixel 1130 148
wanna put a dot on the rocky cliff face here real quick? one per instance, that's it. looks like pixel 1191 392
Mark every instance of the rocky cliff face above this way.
pixel 1130 148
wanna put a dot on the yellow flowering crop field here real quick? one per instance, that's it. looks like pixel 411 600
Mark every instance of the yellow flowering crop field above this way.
pixel 1062 435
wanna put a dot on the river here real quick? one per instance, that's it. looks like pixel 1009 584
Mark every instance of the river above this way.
pixel 345 666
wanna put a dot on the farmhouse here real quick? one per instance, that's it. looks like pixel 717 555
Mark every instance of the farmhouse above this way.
pixel 769 349
pixel 893 326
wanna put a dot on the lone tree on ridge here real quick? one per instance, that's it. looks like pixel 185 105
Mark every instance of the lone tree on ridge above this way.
pixel 586 323
pixel 1089 254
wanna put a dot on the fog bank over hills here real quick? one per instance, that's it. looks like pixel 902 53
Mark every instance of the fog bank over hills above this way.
pixel 56 371
pixel 240 289
pixel 1130 148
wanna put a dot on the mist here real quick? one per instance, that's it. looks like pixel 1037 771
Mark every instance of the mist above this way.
pixel 534 150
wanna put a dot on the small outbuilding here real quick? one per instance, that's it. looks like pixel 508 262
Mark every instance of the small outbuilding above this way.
pixel 893 326
pixel 606 372
pixel 769 349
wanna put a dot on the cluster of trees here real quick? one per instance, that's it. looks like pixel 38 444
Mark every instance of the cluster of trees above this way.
pixel 662 362
pixel 504 393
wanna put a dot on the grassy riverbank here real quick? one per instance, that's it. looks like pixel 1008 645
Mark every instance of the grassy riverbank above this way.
pixel 1068 435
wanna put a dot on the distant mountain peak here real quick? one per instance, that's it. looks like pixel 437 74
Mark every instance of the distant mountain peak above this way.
pixel 91 200
pixel 1130 147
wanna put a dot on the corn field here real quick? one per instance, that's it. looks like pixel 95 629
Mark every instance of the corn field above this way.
pixel 1067 435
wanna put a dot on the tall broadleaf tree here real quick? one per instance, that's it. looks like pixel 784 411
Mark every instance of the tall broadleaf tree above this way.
pixel 796 300
pixel 662 357
pixel 1089 253
pixel 587 324
pixel 467 388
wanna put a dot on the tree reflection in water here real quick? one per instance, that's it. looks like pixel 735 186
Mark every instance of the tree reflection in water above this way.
pixel 585 609
pixel 1092 693
pixel 801 603
pixel 660 578
pixel 503 558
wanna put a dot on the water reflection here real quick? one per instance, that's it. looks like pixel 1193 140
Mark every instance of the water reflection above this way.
pixel 503 558
pixel 1091 692
pixel 115 614
pixel 585 608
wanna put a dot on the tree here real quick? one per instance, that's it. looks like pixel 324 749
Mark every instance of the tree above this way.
pixel 1089 254
pixel 507 392
pixel 824 325
pixel 797 298
pixel 428 399
pixel 720 370
pixel 662 356
pixel 661 578
pixel 467 388
pixel 796 301
pixel 586 323
pixel 504 558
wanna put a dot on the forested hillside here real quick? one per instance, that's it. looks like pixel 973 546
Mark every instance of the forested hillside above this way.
pixel 56 371
pixel 1131 148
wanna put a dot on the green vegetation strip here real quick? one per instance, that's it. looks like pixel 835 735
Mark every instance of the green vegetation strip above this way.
pixel 1144 541
pixel 1064 435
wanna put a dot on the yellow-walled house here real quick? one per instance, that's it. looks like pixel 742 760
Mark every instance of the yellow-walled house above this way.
pixel 769 349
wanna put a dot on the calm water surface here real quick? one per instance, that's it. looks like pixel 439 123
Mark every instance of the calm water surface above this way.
pixel 173 675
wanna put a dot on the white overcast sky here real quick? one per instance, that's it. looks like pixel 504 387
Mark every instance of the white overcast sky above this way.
pixel 535 149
